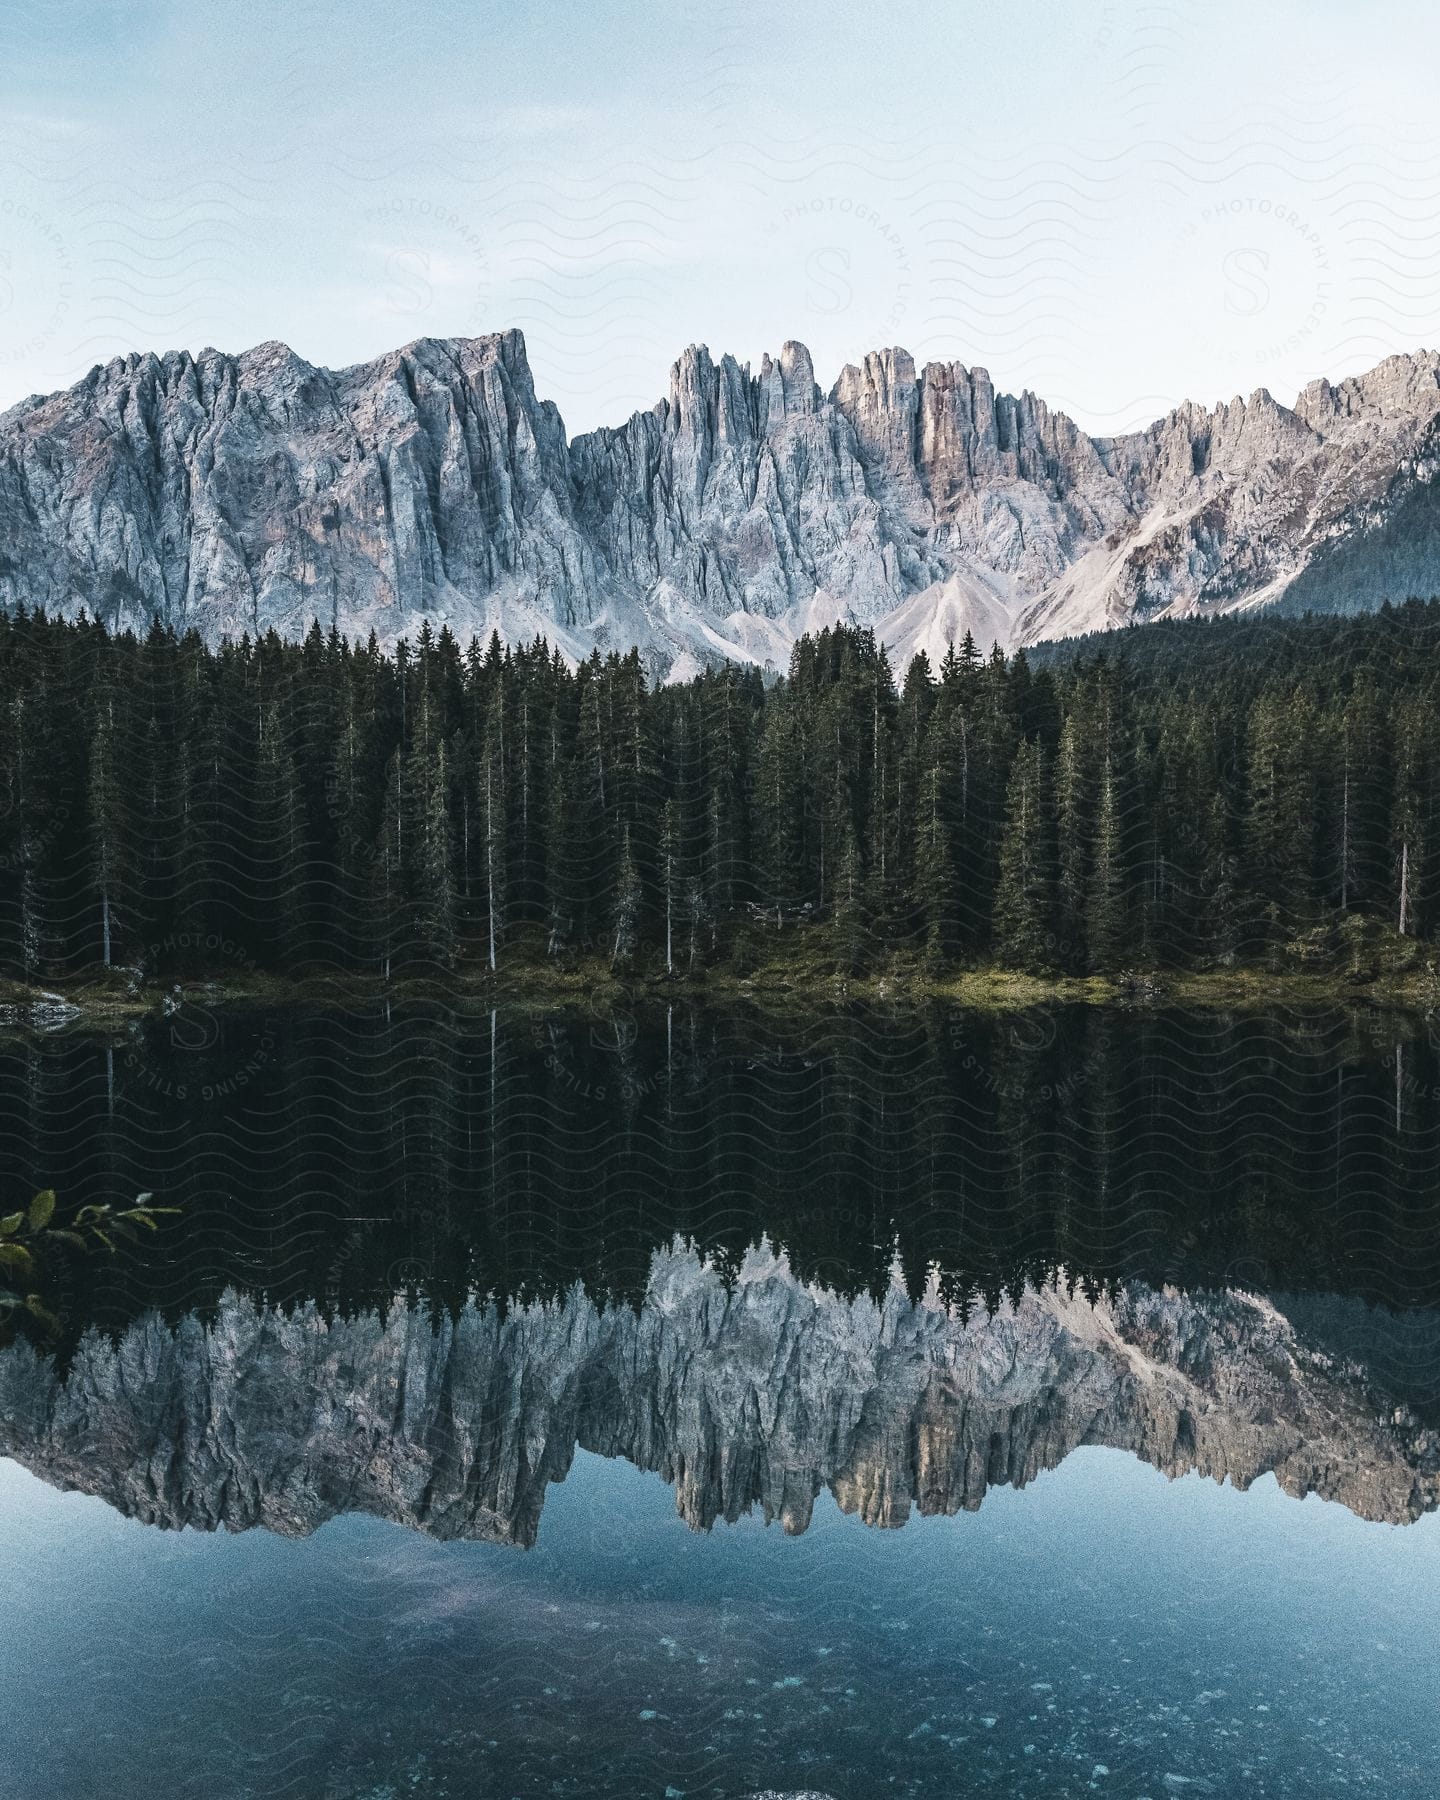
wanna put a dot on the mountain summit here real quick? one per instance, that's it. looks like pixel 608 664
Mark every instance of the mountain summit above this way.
pixel 240 493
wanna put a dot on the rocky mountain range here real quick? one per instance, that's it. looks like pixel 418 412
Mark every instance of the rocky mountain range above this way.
pixel 757 1395
pixel 240 493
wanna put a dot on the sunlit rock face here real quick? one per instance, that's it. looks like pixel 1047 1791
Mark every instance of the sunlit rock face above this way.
pixel 755 1396
pixel 244 493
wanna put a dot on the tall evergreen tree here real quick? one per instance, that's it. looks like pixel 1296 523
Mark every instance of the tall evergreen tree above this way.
pixel 389 913
pixel 670 877
pixel 625 916
pixel 1075 785
pixel 493 816
pixel 1107 911
pixel 1025 892
pixel 849 908
pixel 779 787
pixel 108 831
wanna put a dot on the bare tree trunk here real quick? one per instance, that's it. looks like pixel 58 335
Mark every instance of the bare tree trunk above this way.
pixel 490 864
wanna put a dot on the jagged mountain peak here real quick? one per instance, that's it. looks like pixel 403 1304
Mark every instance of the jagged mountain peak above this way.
pixel 235 493
pixel 507 347
pixel 272 354
pixel 457 1425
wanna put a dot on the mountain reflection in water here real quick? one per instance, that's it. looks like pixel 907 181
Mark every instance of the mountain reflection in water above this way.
pixel 487 1278
pixel 752 1393
pixel 425 1256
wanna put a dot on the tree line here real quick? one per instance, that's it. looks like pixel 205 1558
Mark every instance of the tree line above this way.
pixel 1141 802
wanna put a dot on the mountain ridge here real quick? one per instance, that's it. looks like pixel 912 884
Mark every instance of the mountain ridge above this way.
pixel 757 1394
pixel 240 493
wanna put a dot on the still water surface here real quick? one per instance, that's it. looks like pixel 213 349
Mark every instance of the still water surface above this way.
pixel 697 1405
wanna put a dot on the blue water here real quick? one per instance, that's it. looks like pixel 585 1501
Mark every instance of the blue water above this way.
pixel 1103 1631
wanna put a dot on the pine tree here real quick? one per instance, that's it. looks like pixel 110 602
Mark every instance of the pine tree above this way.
pixel 1074 799
pixel 593 868
pixel 560 879
pixel 296 799
pixel 625 918
pixel 1025 891
pixel 433 879
pixel 493 815
pixel 849 910
pixel 1219 882
pixel 350 807
pixel 198 857
pixel 529 838
pixel 1360 782
pixel 934 881
pixel 1107 911
pixel 108 834
pixel 389 913
pixel 1412 808
pixel 670 878
pixel 1281 825
pixel 779 789
pixel 277 849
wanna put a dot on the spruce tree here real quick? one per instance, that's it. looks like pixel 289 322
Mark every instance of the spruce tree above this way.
pixel 350 805
pixel 561 883
pixel 277 850
pixel 625 913
pixel 849 909
pixel 1107 911
pixel 108 835
pixel 1412 816
pixel 389 912
pixel 933 874
pixel 1074 801
pixel 431 872
pixel 778 802
pixel 493 817
pixel 1025 888
pixel 670 878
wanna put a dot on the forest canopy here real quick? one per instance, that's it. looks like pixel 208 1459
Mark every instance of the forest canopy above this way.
pixel 1178 796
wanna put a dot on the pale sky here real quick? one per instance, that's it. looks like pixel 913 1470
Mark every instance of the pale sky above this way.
pixel 1118 207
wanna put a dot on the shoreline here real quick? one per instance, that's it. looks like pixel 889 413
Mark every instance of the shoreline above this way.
pixel 118 998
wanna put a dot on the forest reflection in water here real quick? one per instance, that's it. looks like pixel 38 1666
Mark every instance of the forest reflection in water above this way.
pixel 486 1277
pixel 335 1155
pixel 904 1259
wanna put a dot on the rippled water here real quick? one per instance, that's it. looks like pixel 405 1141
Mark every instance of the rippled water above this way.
pixel 708 1405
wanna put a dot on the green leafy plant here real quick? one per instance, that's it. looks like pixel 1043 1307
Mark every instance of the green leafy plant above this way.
pixel 27 1237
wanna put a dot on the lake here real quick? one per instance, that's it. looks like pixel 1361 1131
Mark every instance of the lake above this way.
pixel 670 1402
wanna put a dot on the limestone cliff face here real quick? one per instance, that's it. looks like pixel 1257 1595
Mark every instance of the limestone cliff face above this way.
pixel 1228 506
pixel 756 1397
pixel 736 495
pixel 242 493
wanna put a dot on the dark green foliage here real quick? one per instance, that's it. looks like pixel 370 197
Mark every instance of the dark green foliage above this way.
pixel 1025 891
pixel 30 1236
pixel 1184 796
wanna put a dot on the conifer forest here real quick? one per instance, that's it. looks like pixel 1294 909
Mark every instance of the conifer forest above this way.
pixel 1184 796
